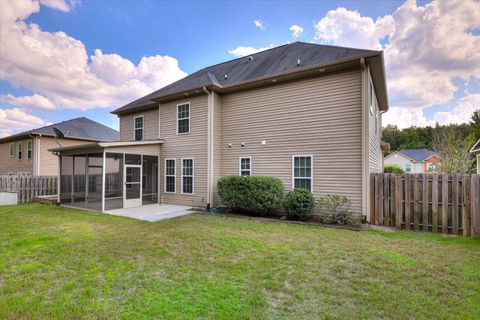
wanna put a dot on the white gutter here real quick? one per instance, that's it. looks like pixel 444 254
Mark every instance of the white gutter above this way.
pixel 209 145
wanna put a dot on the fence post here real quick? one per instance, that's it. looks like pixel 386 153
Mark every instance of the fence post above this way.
pixel 398 201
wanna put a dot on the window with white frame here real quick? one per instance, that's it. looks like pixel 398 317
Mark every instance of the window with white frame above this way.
pixel 187 176
pixel 170 175
pixel 408 167
pixel 302 172
pixel 138 123
pixel 20 151
pixel 29 150
pixel 11 150
pixel 245 166
pixel 183 118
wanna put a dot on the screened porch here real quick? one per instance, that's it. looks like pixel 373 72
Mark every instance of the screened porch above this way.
pixel 105 180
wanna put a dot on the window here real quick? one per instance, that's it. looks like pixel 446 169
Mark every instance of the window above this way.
pixel 302 172
pixel 187 176
pixel 29 150
pixel 183 118
pixel 245 166
pixel 20 151
pixel 11 150
pixel 408 167
pixel 170 175
pixel 138 128
pixel 432 167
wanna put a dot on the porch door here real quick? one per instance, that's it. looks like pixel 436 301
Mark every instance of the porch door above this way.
pixel 132 188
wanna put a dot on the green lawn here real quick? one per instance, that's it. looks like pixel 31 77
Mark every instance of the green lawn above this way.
pixel 63 263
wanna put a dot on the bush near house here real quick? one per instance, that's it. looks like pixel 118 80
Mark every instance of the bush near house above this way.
pixel 338 210
pixel 393 168
pixel 299 204
pixel 254 195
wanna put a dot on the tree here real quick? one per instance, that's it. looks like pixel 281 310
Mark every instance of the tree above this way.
pixel 475 123
pixel 454 149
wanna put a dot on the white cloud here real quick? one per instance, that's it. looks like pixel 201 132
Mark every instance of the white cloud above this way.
pixel 33 101
pixel 406 117
pixel 245 51
pixel 425 48
pixel 260 24
pixel 462 111
pixel 61 5
pixel 57 66
pixel 15 119
pixel 296 30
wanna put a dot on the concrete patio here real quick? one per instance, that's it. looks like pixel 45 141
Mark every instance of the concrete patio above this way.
pixel 152 212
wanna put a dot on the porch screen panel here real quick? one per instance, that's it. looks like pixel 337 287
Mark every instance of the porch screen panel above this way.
pixel 66 172
pixel 79 180
pixel 114 181
pixel 94 188
pixel 149 179
pixel 133 159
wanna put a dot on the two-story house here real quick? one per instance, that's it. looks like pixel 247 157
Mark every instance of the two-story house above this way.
pixel 27 152
pixel 308 114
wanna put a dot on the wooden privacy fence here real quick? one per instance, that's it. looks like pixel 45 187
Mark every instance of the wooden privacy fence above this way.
pixel 28 186
pixel 428 202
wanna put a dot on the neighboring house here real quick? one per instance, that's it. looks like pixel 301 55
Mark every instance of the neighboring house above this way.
pixel 476 151
pixel 308 114
pixel 27 152
pixel 414 160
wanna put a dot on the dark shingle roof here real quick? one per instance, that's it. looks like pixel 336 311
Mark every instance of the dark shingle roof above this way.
pixel 82 128
pixel 418 154
pixel 265 63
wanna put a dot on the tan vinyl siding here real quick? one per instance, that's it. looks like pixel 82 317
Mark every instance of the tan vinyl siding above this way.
pixel 374 134
pixel 319 117
pixel 187 145
pixel 150 125
pixel 49 161
pixel 12 164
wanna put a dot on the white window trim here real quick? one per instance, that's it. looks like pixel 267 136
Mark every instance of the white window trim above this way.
pixel 189 116
pixel 11 155
pixel 311 170
pixel 135 128
pixel 193 176
pixel 31 150
pixel 174 175
pixel 240 165
pixel 19 149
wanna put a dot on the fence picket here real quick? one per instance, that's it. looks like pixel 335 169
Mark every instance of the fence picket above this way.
pixel 455 204
pixel 435 203
pixel 425 202
pixel 407 202
pixel 467 200
pixel 416 204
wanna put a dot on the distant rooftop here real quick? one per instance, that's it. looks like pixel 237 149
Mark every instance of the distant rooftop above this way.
pixel 418 154
pixel 81 128
pixel 262 64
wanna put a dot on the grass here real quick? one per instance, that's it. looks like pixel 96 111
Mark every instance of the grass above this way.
pixel 63 263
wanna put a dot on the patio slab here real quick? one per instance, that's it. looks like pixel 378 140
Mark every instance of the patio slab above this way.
pixel 152 212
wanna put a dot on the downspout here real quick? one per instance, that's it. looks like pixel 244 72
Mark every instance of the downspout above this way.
pixel 209 146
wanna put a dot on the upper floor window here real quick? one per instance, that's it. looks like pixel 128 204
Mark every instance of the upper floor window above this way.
pixel 20 151
pixel 11 150
pixel 29 150
pixel 302 172
pixel 245 166
pixel 138 128
pixel 183 118
pixel 187 176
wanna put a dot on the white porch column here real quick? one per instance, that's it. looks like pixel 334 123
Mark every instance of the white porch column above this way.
pixel 103 180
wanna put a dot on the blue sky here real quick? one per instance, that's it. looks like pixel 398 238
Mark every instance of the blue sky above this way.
pixel 177 38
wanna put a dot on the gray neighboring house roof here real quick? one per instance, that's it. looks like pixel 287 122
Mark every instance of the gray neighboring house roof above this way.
pixel 262 64
pixel 418 154
pixel 79 128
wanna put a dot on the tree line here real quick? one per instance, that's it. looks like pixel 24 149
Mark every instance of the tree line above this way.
pixel 452 142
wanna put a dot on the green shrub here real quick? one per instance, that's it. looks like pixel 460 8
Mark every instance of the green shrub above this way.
pixel 338 210
pixel 299 204
pixel 251 194
pixel 393 168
